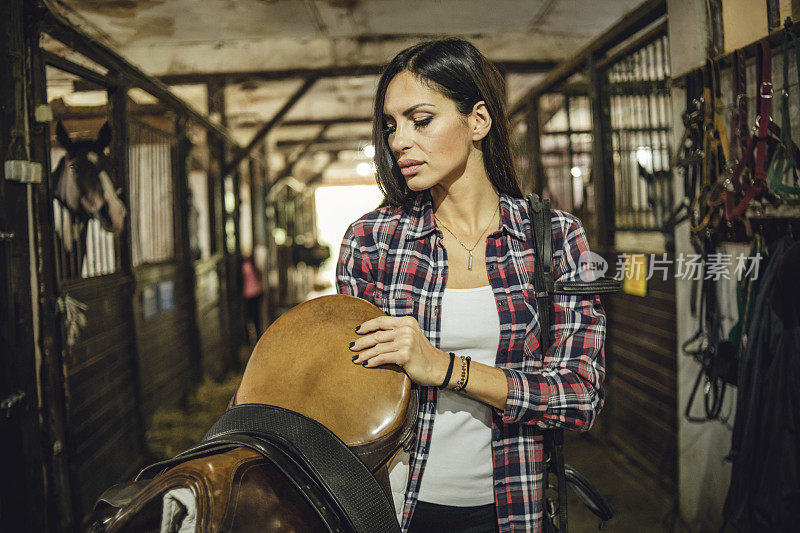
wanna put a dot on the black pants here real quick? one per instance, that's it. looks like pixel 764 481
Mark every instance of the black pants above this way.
pixel 434 518
pixel 252 310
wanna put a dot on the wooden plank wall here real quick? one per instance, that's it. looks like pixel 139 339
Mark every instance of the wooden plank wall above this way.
pixel 165 362
pixel 641 384
pixel 105 430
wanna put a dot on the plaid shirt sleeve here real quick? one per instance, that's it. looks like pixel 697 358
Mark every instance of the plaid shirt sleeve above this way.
pixel 567 392
pixel 354 268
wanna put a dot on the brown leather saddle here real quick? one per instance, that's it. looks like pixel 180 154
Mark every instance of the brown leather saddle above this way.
pixel 303 447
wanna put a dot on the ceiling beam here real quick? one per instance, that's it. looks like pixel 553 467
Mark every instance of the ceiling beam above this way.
pixel 509 67
pixel 275 120
pixel 326 121
pixel 633 22
pixel 305 147
pixel 349 141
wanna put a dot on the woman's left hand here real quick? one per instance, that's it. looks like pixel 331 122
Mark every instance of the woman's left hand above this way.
pixel 400 340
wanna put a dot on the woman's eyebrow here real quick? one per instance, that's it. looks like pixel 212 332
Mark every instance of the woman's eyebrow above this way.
pixel 411 109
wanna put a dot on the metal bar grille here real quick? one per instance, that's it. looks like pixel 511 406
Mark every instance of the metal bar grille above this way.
pixel 151 193
pixel 566 144
pixel 638 89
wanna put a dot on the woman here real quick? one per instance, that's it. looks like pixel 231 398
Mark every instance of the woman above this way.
pixel 449 258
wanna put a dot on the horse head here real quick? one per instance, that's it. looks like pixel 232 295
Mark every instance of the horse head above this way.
pixel 83 180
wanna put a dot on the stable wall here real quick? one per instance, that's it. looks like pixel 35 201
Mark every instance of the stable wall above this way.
pixel 703 472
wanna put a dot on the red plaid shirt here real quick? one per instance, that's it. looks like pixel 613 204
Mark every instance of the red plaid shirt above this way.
pixel 395 259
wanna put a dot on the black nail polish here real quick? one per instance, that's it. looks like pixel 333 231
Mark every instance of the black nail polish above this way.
pixel 352 343
pixel 357 328
pixel 355 357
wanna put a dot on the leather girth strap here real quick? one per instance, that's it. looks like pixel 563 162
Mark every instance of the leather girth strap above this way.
pixel 326 461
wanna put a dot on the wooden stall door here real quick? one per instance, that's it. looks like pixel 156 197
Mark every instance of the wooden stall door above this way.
pixel 100 382
pixel 105 438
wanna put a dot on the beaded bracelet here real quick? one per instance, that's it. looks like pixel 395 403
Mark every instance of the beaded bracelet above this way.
pixel 462 381
pixel 465 383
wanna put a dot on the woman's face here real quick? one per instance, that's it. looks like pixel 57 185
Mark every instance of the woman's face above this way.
pixel 430 140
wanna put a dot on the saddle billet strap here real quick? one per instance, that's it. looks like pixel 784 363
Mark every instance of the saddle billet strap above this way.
pixel 342 475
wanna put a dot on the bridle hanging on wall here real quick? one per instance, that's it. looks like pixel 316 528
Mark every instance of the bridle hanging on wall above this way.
pixel 741 192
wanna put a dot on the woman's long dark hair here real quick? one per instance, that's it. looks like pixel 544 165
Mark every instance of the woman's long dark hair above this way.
pixel 459 71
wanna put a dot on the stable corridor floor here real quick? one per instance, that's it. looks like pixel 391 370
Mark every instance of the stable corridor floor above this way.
pixel 639 502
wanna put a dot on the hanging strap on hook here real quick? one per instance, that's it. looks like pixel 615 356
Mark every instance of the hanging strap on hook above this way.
pixel 757 147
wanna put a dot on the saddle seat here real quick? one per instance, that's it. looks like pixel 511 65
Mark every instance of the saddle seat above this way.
pixel 303 363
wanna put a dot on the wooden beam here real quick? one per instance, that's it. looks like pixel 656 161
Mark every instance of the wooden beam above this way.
pixel 306 146
pixel 326 121
pixel 374 69
pixel 92 80
pixel 288 144
pixel 627 26
pixel 640 42
pixel 259 136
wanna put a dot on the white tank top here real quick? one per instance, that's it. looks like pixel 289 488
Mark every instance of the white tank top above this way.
pixel 459 468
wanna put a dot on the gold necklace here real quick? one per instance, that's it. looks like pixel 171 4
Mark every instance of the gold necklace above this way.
pixel 469 250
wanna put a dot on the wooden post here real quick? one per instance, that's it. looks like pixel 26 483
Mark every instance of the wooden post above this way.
pixel 182 211
pixel 229 293
pixel 602 164
pixel 35 287
pixel 25 503
pixel 537 179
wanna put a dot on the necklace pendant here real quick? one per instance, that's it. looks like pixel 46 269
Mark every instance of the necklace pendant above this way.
pixel 469 264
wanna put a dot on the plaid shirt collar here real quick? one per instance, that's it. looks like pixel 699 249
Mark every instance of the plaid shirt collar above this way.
pixel 421 222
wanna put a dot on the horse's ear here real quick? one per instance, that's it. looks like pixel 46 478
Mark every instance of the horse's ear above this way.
pixel 63 137
pixel 103 137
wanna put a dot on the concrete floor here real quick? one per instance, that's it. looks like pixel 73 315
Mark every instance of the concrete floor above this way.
pixel 640 504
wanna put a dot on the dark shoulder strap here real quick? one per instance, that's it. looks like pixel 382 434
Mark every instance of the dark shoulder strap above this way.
pixel 544 288
pixel 542 264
